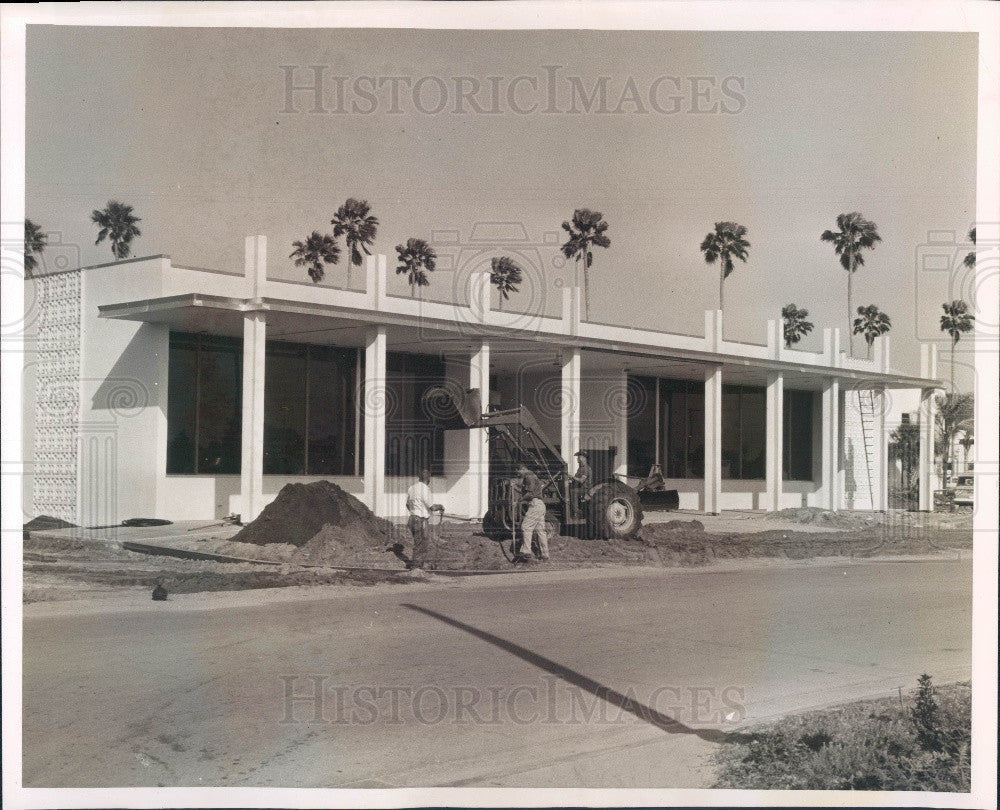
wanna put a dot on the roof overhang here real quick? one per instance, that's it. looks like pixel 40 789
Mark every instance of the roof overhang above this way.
pixel 326 324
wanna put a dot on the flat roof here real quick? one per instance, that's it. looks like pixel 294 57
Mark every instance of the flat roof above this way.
pixel 334 324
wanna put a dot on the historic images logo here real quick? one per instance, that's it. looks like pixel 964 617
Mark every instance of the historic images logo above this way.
pixel 313 89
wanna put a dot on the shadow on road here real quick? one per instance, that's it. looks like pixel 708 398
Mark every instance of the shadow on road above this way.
pixel 624 702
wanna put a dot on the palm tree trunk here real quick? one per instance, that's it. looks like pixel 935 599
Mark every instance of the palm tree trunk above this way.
pixel 953 343
pixel 722 280
pixel 850 332
pixel 586 290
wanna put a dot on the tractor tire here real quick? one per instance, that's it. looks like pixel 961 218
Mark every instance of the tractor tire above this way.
pixel 493 526
pixel 552 526
pixel 615 512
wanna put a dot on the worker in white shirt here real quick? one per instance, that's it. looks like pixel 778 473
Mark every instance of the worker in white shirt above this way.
pixel 420 504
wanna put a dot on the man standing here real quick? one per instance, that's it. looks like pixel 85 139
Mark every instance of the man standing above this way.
pixel 533 523
pixel 580 483
pixel 419 503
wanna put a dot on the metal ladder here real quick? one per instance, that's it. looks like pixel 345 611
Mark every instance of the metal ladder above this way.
pixel 866 407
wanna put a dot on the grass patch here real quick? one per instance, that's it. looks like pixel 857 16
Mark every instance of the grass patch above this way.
pixel 919 743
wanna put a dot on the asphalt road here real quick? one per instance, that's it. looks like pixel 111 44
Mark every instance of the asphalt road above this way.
pixel 584 679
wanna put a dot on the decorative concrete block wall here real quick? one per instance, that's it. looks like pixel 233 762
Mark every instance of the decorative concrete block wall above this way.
pixel 55 459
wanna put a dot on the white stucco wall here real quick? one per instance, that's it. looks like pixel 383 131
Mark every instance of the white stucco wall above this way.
pixel 123 398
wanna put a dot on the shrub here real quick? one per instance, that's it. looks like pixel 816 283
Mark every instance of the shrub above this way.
pixel 869 745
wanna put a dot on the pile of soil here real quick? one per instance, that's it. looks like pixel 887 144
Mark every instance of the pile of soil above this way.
pixel 824 517
pixel 47 523
pixel 317 523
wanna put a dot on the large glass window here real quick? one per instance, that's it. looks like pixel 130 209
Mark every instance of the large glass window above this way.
pixel 641 425
pixel 682 429
pixel 204 419
pixel 743 432
pixel 797 442
pixel 182 404
pixel 683 442
pixel 286 390
pixel 413 440
pixel 332 411
pixel 309 407
pixel 309 410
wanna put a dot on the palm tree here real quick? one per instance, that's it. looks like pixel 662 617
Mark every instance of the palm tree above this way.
pixel 955 414
pixel 35 241
pixel 416 257
pixel 318 250
pixel 725 243
pixel 872 323
pixel 587 230
pixel 956 320
pixel 355 222
pixel 117 224
pixel 904 446
pixel 968 439
pixel 854 234
pixel 970 257
pixel 505 275
pixel 796 325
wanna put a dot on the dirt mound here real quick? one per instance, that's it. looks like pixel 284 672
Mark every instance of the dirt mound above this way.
pixel 674 531
pixel 824 517
pixel 319 519
pixel 44 522
pixel 338 546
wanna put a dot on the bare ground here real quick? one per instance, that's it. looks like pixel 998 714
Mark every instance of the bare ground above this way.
pixel 62 564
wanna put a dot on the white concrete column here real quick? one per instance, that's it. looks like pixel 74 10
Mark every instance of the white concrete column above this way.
pixel 830 446
pixel 713 329
pixel 479 455
pixel 774 438
pixel 882 449
pixel 884 353
pixel 375 280
pixel 571 310
pixel 255 264
pixel 570 405
pixel 713 439
pixel 925 466
pixel 479 297
pixel 252 456
pixel 775 338
pixel 375 402
pixel 621 465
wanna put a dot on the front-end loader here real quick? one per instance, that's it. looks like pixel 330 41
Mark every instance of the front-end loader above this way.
pixel 607 509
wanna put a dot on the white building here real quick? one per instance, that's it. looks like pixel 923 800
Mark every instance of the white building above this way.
pixel 154 390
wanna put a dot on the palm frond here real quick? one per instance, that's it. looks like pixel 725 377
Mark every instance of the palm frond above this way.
pixel 416 257
pixel 355 222
pixel 315 252
pixel 795 324
pixel 118 225
pixel 35 241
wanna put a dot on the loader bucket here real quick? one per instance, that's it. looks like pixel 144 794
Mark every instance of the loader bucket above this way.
pixel 454 408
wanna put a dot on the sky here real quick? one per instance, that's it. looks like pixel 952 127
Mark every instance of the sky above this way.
pixel 780 132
